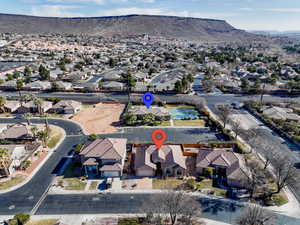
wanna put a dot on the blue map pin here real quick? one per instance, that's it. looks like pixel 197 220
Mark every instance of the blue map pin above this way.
pixel 148 99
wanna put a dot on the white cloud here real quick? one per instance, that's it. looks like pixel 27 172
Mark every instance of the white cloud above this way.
pixel 284 10
pixel 161 11
pixel 246 9
pixel 100 2
pixel 55 11
pixel 134 10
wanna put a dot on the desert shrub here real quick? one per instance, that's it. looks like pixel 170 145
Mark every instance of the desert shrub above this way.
pixel 93 136
pixel 208 172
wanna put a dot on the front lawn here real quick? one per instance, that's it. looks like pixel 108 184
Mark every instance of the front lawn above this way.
pixel 11 182
pixel 94 185
pixel 73 183
pixel 197 123
pixel 42 222
pixel 169 183
pixel 55 136
pixel 205 185
pixel 165 123
pixel 129 221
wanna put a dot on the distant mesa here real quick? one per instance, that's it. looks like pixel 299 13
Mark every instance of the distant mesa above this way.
pixel 123 26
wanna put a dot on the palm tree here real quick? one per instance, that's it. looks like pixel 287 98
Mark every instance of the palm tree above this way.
pixel 2 103
pixel 38 102
pixel 20 85
pixel 43 137
pixel 130 82
pixel 4 159
pixel 34 131
pixel 27 117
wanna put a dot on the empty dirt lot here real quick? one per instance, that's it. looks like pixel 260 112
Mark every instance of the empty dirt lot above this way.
pixel 101 119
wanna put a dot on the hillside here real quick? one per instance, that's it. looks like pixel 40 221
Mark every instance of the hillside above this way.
pixel 166 26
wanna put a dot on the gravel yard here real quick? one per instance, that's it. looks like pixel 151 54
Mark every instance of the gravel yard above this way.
pixel 101 119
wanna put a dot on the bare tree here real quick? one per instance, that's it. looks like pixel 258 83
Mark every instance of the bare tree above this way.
pixel 285 174
pixel 256 215
pixel 236 127
pixel 224 112
pixel 269 154
pixel 256 179
pixel 173 204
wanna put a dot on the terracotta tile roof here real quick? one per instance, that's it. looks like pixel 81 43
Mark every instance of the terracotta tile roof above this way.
pixel 232 161
pixel 67 104
pixel 90 162
pixel 15 132
pixel 143 158
pixel 167 155
pixel 114 167
pixel 108 148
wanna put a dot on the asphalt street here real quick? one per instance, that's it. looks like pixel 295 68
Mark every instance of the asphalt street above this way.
pixel 174 135
pixel 214 209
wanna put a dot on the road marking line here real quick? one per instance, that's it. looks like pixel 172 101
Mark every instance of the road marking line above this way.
pixel 37 205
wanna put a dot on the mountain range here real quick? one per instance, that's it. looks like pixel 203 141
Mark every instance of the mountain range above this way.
pixel 166 26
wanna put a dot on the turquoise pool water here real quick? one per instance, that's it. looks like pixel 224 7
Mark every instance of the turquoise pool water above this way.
pixel 183 113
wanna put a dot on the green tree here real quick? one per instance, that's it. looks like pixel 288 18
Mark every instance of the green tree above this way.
pixel 44 73
pixel 190 77
pixel 54 86
pixel 34 131
pixel 20 85
pixel 78 147
pixel 4 159
pixel 148 119
pixel 130 83
pixel 93 136
pixel 27 71
pixel 16 75
pixel 43 136
pixel 100 84
pixel 2 103
pixel 22 218
pixel 129 119
pixel 112 62
pixel 178 86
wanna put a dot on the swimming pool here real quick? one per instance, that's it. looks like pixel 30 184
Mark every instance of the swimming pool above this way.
pixel 183 113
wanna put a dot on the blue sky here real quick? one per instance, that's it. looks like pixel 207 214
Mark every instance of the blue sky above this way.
pixel 244 14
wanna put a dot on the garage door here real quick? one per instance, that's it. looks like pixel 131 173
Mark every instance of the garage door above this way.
pixel 110 173
pixel 145 173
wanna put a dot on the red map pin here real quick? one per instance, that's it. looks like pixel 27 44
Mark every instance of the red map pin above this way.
pixel 159 136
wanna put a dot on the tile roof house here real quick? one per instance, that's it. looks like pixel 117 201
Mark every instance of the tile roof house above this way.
pixel 113 85
pixel 17 132
pixel 39 85
pixel 159 112
pixel 11 106
pixel 30 107
pixel 280 113
pixel 64 85
pixel 104 157
pixel 167 161
pixel 66 107
pixel 228 167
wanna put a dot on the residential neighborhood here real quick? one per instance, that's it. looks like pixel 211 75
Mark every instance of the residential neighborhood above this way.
pixel 128 127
